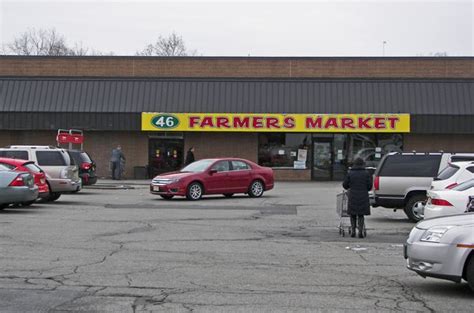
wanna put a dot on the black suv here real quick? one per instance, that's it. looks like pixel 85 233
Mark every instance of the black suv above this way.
pixel 87 167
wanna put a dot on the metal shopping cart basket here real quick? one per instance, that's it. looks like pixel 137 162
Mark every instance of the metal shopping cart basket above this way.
pixel 342 201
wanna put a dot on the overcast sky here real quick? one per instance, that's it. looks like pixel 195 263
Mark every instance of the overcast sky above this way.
pixel 265 28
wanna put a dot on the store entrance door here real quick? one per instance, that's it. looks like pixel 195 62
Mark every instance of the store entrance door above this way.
pixel 164 155
pixel 322 159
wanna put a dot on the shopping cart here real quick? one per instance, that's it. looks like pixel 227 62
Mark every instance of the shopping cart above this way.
pixel 341 210
pixel 342 201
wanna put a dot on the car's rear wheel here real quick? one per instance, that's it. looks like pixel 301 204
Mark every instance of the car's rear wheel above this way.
pixel 415 207
pixel 256 189
pixel 53 196
pixel 228 195
pixel 28 203
pixel 194 191
pixel 167 197
pixel 470 273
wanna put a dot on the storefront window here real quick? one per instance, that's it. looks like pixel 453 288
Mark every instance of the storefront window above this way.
pixel 372 147
pixel 284 150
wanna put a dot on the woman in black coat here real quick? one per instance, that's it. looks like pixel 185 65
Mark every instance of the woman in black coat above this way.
pixel 189 156
pixel 359 182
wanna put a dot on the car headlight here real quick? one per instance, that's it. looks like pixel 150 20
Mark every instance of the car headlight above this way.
pixel 434 234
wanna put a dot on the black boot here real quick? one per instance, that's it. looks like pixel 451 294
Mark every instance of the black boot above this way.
pixel 360 222
pixel 353 225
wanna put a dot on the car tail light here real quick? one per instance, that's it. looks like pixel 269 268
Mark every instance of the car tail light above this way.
pixel 377 183
pixel 86 166
pixel 451 186
pixel 17 182
pixel 440 202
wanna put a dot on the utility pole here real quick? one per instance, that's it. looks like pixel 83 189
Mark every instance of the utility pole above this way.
pixel 383 47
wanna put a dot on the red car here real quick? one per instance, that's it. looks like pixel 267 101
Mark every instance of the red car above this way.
pixel 214 176
pixel 19 165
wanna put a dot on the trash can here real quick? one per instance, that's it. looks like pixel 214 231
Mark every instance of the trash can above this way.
pixel 140 172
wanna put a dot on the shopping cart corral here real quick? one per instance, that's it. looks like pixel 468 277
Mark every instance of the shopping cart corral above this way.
pixel 342 202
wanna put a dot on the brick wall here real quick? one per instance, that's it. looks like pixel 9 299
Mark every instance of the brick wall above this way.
pixel 448 67
pixel 98 144
pixel 430 143
pixel 292 175
pixel 212 145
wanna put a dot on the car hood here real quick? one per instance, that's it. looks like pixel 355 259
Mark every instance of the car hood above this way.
pixel 175 175
pixel 465 219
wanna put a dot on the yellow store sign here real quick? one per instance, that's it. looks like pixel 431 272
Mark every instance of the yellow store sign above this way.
pixel 298 123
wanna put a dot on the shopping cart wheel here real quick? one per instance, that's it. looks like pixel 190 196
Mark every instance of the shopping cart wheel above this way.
pixel 343 233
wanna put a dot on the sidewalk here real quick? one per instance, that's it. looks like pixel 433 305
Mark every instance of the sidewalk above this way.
pixel 104 183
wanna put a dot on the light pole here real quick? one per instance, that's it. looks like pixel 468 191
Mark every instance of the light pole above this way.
pixel 383 47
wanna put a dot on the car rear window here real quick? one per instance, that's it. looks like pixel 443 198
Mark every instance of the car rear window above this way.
pixel 5 167
pixel 461 158
pixel 14 154
pixel 32 167
pixel 448 172
pixel 50 158
pixel 410 166
pixel 80 157
pixel 464 186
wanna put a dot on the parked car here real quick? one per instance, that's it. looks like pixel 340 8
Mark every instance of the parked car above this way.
pixel 39 176
pixel 452 175
pixel 443 248
pixel 402 179
pixel 61 172
pixel 16 188
pixel 225 176
pixel 87 167
pixel 449 201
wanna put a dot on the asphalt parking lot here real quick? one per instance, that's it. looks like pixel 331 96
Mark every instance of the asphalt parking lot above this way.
pixel 124 250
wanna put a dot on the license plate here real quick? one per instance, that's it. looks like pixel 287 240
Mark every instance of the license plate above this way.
pixel 156 188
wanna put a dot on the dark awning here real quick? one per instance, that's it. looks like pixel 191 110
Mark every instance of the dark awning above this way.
pixel 436 106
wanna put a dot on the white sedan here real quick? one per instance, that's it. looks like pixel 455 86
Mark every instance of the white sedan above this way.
pixel 449 201
pixel 443 248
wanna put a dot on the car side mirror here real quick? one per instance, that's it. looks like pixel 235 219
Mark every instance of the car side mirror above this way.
pixel 212 171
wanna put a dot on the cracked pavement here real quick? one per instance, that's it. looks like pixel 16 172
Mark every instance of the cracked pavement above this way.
pixel 128 251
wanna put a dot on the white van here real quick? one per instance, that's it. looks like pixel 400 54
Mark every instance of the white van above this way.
pixel 62 174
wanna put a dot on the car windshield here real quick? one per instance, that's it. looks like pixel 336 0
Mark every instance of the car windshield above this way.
pixel 198 166
pixel 464 186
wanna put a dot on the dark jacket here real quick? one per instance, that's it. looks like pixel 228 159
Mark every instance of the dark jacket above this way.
pixel 359 182
pixel 117 155
pixel 189 157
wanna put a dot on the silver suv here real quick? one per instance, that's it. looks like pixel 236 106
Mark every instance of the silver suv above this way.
pixel 402 179
pixel 62 174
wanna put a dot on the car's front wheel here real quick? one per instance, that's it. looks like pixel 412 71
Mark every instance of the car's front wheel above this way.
pixel 167 197
pixel 256 189
pixel 470 273
pixel 194 191
pixel 415 207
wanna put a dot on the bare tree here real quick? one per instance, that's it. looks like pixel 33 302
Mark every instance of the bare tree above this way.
pixel 173 45
pixel 45 42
